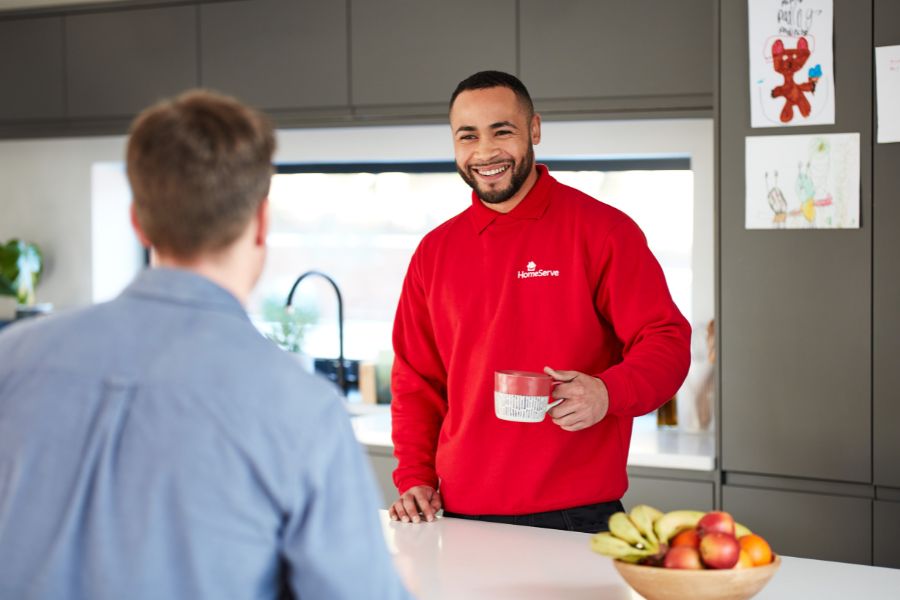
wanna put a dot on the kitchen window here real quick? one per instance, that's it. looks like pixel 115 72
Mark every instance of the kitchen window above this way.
pixel 361 222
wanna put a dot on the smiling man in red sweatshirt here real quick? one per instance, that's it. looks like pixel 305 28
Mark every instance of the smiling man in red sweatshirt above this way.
pixel 533 275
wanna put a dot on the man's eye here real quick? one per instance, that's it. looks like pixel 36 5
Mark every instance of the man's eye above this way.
pixel 467 137
pixel 504 132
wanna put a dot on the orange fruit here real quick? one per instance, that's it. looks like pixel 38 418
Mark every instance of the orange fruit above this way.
pixel 744 560
pixel 688 537
pixel 757 547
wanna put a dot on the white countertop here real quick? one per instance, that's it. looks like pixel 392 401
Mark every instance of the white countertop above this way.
pixel 650 446
pixel 454 558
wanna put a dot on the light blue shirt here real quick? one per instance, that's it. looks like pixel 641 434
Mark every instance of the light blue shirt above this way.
pixel 158 447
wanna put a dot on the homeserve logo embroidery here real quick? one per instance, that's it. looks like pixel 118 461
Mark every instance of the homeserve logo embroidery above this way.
pixel 531 270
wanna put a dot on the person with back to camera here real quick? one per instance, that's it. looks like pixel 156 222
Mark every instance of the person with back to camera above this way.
pixel 157 446
pixel 533 275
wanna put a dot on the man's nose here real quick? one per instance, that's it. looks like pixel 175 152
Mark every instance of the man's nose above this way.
pixel 486 149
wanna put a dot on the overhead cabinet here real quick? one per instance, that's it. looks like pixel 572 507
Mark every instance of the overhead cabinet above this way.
pixel 414 52
pixel 119 62
pixel 75 70
pixel 276 54
pixel 31 68
pixel 622 56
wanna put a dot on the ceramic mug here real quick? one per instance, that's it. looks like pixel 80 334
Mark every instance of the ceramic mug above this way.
pixel 523 396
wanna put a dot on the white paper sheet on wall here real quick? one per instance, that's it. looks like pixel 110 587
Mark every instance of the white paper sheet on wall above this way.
pixel 802 181
pixel 791 62
pixel 887 93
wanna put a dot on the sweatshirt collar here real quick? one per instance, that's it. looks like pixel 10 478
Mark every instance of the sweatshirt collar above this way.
pixel 533 205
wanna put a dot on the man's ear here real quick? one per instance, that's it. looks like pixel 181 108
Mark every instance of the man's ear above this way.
pixel 536 129
pixel 262 222
pixel 138 231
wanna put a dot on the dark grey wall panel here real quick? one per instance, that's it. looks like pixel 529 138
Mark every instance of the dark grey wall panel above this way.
pixel 119 62
pixel 276 54
pixel 416 51
pixel 795 306
pixel 31 69
pixel 668 494
pixel 886 285
pixel 887 540
pixel 610 48
pixel 805 525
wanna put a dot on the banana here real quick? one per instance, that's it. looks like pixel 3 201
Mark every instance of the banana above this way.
pixel 741 530
pixel 675 521
pixel 609 545
pixel 622 527
pixel 643 517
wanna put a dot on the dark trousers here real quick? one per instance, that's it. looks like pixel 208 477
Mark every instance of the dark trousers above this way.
pixel 592 518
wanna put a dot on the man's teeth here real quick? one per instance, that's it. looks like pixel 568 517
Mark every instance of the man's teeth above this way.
pixel 494 171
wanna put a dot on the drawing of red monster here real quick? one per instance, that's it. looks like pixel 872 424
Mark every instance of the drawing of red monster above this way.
pixel 788 61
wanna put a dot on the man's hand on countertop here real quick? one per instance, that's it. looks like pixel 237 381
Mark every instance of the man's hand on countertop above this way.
pixel 418 499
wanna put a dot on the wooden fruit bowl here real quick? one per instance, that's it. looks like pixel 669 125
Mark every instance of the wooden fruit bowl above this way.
pixel 657 583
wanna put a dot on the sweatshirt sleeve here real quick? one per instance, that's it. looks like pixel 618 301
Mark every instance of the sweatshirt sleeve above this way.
pixel 418 386
pixel 633 297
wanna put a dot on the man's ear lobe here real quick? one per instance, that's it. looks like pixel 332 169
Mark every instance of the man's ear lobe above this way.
pixel 262 222
pixel 138 230
pixel 536 129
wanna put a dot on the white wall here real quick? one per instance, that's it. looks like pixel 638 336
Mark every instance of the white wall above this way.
pixel 47 197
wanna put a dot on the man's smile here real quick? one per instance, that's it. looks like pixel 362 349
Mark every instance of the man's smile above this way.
pixel 492 171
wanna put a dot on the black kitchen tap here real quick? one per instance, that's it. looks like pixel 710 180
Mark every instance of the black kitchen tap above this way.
pixel 341 375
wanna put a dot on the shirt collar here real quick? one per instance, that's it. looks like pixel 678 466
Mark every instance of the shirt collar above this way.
pixel 180 286
pixel 532 206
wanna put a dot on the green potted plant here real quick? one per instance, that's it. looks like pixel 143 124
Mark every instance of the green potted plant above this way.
pixel 287 327
pixel 21 265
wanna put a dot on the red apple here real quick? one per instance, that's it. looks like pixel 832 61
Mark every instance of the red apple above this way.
pixel 715 521
pixel 682 557
pixel 688 537
pixel 719 550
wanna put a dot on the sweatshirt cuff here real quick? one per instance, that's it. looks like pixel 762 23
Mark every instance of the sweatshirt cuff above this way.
pixel 410 481
pixel 617 388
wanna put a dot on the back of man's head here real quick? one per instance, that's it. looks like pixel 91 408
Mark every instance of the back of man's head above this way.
pixel 199 166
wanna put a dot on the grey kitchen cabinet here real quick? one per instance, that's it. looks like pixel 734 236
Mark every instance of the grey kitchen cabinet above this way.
pixel 276 54
pixel 31 69
pixel 808 525
pixel 886 284
pixel 887 533
pixel 414 52
pixel 121 61
pixel 383 465
pixel 668 494
pixel 795 307
pixel 641 54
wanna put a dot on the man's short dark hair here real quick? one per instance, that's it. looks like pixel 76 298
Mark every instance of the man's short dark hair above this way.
pixel 199 166
pixel 491 79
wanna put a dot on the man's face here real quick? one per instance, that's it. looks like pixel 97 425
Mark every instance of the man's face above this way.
pixel 493 137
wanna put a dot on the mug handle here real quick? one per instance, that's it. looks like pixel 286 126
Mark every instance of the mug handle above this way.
pixel 555 402
pixel 552 404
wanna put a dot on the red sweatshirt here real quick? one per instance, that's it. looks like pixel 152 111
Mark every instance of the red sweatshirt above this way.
pixel 561 280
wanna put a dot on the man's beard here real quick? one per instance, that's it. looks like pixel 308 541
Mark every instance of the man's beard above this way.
pixel 519 175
